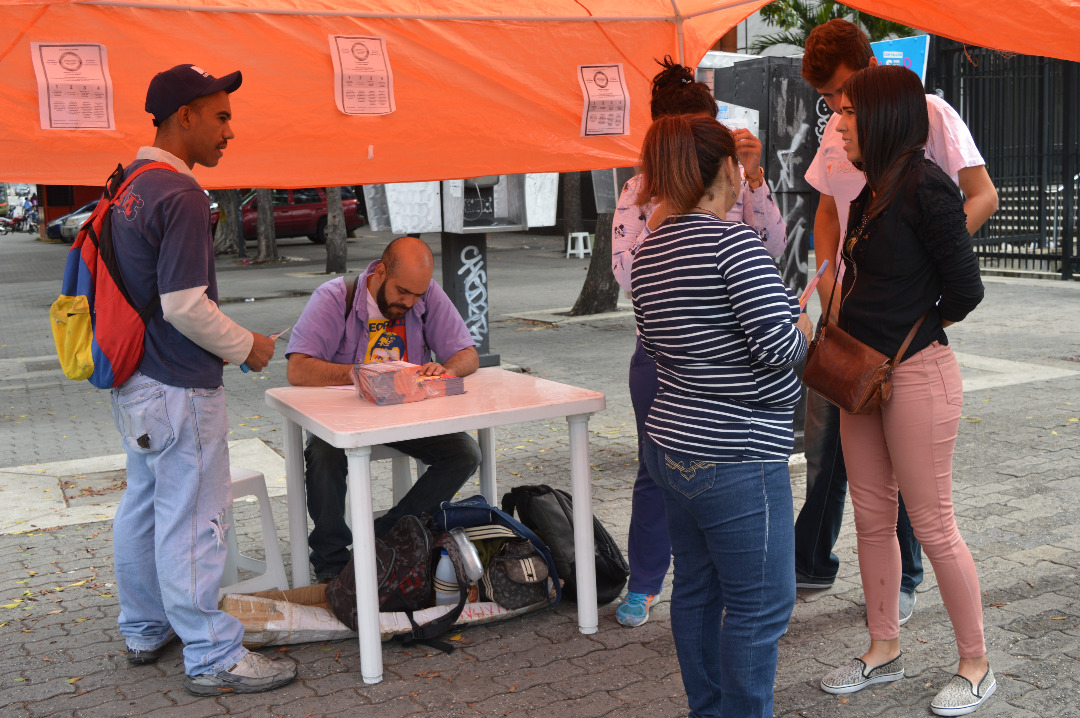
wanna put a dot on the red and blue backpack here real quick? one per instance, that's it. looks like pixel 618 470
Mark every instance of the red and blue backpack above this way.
pixel 97 329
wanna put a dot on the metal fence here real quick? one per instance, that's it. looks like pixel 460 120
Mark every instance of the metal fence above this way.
pixel 1023 112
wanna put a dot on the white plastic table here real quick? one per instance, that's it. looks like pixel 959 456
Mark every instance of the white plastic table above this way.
pixel 494 397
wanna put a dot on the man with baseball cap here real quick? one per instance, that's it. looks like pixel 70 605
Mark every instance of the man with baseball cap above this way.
pixel 170 529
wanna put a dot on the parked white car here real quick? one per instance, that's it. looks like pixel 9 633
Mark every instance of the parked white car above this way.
pixel 72 224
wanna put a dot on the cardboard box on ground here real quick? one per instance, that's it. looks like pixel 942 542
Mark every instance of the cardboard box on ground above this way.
pixel 302 615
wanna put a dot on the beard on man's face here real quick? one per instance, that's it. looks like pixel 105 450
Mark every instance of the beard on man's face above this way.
pixel 390 311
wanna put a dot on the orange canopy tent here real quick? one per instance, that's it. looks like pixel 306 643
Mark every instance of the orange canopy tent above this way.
pixel 481 86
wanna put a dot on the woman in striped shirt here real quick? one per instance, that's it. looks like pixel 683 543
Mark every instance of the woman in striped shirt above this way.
pixel 674 92
pixel 725 332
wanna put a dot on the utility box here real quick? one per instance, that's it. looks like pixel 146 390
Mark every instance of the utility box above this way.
pixel 607 186
pixel 789 125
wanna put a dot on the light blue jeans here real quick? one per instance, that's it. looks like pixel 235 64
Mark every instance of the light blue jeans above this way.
pixel 733 590
pixel 169 531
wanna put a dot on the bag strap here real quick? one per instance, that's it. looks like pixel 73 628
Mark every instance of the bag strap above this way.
pixel 429 632
pixel 908 338
pixel 114 187
pixel 116 184
pixel 350 295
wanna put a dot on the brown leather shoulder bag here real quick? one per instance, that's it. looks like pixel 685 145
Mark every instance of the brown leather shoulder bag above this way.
pixel 850 374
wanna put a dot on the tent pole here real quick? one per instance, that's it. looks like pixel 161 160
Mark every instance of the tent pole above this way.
pixel 679 31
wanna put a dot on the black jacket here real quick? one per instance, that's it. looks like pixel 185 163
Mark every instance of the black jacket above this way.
pixel 915 256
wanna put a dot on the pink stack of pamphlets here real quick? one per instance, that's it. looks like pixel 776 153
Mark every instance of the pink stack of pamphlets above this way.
pixel 398 382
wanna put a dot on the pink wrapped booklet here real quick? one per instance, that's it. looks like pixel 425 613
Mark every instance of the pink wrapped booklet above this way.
pixel 398 382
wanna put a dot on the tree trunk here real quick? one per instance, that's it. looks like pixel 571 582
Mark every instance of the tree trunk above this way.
pixel 229 234
pixel 600 293
pixel 336 249
pixel 264 199
pixel 571 197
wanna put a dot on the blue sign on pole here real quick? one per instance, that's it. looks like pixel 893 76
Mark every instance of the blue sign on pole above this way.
pixel 910 52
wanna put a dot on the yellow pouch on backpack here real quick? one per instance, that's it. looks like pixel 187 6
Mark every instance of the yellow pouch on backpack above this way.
pixel 73 334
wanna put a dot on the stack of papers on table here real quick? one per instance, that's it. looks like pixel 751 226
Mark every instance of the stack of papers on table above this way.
pixel 398 382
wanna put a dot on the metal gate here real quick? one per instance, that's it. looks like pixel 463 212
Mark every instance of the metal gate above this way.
pixel 1023 112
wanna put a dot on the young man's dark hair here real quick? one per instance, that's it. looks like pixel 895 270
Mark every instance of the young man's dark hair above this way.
pixel 837 42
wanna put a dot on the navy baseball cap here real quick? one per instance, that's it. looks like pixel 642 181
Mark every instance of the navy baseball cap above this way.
pixel 172 89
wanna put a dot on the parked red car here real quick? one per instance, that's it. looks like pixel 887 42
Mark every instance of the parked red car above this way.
pixel 297 213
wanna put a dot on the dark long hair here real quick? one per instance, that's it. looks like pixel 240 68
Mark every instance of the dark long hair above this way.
pixel 892 124
pixel 675 92
pixel 680 159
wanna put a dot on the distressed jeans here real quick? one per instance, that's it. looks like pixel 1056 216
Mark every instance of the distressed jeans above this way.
pixel 733 590
pixel 168 534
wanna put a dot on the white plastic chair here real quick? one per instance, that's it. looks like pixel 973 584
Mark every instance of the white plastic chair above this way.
pixel 271 571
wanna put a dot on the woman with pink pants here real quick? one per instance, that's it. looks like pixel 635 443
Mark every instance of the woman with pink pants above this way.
pixel 907 255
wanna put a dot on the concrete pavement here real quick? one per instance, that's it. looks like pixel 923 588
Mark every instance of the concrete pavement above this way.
pixel 1016 494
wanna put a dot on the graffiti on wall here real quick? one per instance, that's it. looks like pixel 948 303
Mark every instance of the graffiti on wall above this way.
pixel 475 290
pixel 823 115
pixel 790 148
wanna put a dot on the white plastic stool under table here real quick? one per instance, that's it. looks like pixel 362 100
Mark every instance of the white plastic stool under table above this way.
pixel 579 244
pixel 247 482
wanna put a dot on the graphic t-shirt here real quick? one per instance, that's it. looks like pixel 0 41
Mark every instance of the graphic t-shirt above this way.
pixel 386 339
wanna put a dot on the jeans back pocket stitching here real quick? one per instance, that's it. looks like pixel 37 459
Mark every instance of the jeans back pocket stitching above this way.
pixel 688 473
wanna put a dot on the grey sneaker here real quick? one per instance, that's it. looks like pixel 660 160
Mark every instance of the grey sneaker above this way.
pixel 139 657
pixel 253 674
pixel 959 697
pixel 857 675
pixel 907 606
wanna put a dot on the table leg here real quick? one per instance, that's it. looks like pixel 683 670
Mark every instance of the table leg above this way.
pixel 487 465
pixel 297 503
pixel 581 490
pixel 367 587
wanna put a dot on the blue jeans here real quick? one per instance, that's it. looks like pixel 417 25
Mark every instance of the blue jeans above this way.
pixel 734 584
pixel 818 524
pixel 649 547
pixel 169 531
pixel 451 460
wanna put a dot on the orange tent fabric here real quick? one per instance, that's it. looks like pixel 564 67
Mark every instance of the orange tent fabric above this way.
pixel 481 87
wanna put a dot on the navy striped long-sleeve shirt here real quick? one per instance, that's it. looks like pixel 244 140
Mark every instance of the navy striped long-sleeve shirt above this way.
pixel 714 314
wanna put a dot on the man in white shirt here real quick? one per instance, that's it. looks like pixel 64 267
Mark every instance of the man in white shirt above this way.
pixel 834 52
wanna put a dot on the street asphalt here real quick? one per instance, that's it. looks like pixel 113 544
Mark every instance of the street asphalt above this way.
pixel 1016 491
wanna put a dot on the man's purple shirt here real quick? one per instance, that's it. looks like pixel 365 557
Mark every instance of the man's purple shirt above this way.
pixel 433 325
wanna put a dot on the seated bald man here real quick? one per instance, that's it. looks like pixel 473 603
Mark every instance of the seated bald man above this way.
pixel 394 304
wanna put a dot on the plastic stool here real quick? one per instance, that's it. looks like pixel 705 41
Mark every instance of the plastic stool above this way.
pixel 579 244
pixel 247 482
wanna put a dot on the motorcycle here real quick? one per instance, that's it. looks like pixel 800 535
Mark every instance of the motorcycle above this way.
pixel 7 224
pixel 26 222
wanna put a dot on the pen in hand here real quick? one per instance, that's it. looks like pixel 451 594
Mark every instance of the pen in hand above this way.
pixel 811 286
pixel 272 337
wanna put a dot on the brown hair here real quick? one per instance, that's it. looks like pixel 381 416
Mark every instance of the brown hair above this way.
pixel 892 124
pixel 675 92
pixel 837 42
pixel 681 158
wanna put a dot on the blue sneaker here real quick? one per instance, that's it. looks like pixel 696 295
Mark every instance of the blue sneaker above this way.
pixel 634 609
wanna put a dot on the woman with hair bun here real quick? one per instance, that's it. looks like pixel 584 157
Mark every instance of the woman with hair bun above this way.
pixel 674 92
pixel 724 332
